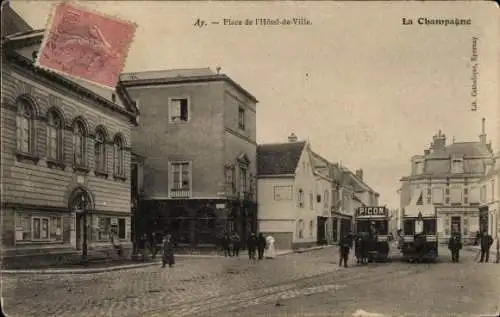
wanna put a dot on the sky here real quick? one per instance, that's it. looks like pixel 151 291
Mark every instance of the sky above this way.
pixel 361 87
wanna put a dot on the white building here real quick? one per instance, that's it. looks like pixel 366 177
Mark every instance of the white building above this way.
pixel 291 193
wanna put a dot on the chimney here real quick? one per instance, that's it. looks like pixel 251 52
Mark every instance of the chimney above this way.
pixel 359 173
pixel 482 136
pixel 439 141
pixel 292 137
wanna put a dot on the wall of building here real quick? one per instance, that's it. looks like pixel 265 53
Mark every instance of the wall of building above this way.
pixel 240 140
pixel 35 187
pixel 307 215
pixel 199 141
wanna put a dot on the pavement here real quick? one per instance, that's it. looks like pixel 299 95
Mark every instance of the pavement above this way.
pixel 111 267
pixel 294 284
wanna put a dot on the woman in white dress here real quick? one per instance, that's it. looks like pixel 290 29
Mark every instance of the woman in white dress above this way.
pixel 270 252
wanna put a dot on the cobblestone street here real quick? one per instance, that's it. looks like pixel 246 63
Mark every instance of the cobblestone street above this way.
pixel 309 282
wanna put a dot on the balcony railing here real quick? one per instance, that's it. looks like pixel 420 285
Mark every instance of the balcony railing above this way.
pixel 180 192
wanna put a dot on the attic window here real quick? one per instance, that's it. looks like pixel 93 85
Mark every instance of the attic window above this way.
pixel 113 97
pixel 457 166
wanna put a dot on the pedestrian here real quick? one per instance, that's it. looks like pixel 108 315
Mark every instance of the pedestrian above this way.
pixel 261 245
pixel 270 247
pixel 358 249
pixel 251 246
pixel 226 241
pixel 486 242
pixel 455 245
pixel 236 244
pixel 345 246
pixel 168 251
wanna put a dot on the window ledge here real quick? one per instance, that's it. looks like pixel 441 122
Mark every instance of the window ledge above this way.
pixel 27 156
pixel 81 168
pixel 101 173
pixel 120 177
pixel 55 163
pixel 24 242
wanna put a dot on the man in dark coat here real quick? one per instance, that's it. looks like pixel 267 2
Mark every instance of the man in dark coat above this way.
pixel 236 244
pixel 455 245
pixel 261 245
pixel 251 246
pixel 225 244
pixel 345 246
pixel 486 242
pixel 168 251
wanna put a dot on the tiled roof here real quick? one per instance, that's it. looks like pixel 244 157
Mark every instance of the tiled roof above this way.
pixel 466 149
pixel 279 159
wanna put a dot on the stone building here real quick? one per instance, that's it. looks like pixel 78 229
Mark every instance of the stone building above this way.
pixel 197 134
pixel 489 210
pixel 65 157
pixel 349 192
pixel 445 181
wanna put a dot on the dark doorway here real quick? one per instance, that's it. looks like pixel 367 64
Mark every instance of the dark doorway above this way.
pixel 321 230
pixel 456 225
pixel 335 231
pixel 483 219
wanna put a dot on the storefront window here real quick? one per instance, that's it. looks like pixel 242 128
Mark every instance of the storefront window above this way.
pixel 106 225
pixel 38 228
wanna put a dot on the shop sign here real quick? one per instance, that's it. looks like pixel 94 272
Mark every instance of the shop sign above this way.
pixel 372 211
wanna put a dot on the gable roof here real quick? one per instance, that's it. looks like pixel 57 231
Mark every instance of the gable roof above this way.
pixel 123 104
pixel 12 22
pixel 279 158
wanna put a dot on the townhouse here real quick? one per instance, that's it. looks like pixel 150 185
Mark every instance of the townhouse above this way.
pixel 445 182
pixel 65 157
pixel 349 192
pixel 197 138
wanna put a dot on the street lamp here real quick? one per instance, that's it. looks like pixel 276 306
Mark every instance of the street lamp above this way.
pixel 84 211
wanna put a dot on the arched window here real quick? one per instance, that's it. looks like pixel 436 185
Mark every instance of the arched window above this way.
pixel 100 151
pixel 25 127
pixel 119 156
pixel 79 143
pixel 54 136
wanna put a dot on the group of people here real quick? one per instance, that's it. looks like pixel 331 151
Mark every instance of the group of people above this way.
pixel 256 245
pixel 483 239
pixel 363 243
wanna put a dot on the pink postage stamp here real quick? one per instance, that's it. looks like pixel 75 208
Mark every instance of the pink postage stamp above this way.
pixel 85 44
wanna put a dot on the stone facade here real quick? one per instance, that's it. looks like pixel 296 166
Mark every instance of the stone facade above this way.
pixel 445 182
pixel 197 134
pixel 52 128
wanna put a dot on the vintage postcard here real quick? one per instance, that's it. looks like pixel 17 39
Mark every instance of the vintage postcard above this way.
pixel 216 158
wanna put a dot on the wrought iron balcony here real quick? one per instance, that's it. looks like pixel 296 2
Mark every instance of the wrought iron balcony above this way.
pixel 180 192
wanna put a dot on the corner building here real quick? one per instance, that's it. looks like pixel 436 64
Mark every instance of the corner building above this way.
pixel 446 181
pixel 65 151
pixel 197 134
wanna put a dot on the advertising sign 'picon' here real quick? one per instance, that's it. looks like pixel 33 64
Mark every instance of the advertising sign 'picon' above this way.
pixel 372 211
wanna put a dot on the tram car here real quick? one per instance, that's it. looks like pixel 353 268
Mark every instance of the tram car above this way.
pixel 420 242
pixel 372 225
